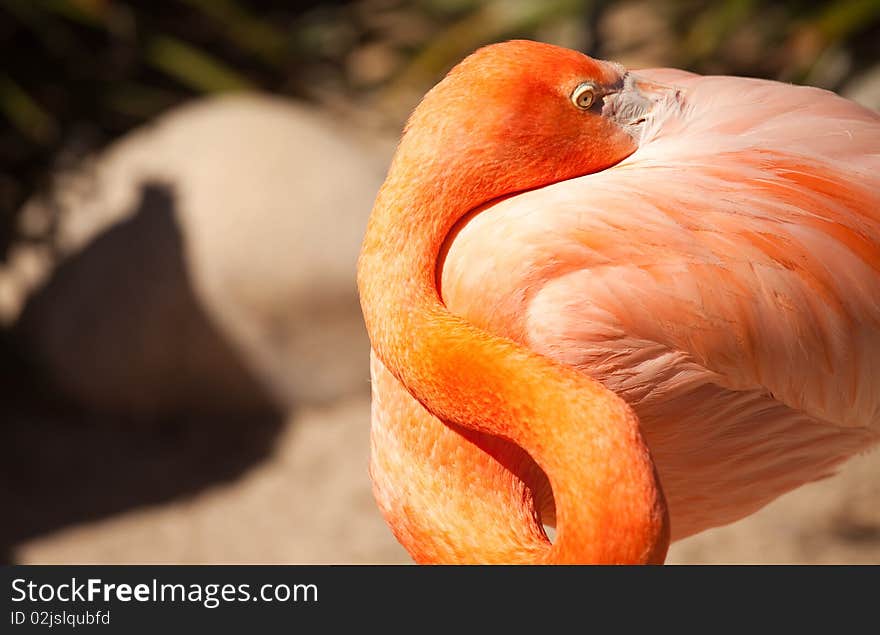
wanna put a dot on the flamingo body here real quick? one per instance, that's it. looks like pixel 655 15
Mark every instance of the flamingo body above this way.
pixel 723 279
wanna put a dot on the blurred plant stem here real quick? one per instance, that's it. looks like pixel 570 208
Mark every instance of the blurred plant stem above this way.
pixel 491 21
pixel 256 36
pixel 818 40
pixel 838 20
pixel 89 12
pixel 713 26
pixel 24 113
pixel 192 67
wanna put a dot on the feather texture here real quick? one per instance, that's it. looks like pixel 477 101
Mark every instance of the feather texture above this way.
pixel 724 279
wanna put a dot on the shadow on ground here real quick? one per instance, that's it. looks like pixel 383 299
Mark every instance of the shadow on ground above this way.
pixel 165 419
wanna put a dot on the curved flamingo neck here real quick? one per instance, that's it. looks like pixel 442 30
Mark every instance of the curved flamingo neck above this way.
pixel 609 504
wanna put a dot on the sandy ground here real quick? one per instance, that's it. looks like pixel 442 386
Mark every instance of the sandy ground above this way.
pixel 305 499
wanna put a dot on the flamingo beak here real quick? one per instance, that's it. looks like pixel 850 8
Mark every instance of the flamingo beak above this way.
pixel 636 102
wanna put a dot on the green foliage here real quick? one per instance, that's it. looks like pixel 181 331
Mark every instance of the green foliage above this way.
pixel 78 73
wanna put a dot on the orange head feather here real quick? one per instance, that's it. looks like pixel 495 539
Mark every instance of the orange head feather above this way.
pixel 504 120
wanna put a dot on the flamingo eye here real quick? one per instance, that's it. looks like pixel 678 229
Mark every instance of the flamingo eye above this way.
pixel 584 95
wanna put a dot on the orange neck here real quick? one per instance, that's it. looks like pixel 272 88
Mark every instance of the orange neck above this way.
pixel 609 504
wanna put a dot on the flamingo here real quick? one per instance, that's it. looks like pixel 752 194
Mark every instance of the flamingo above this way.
pixel 630 305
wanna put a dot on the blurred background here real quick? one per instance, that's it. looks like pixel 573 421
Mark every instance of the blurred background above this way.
pixel 184 186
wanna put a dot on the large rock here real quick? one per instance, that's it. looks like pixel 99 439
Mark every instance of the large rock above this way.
pixel 206 263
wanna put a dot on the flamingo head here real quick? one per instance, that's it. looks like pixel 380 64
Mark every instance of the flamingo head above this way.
pixel 520 114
